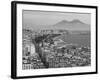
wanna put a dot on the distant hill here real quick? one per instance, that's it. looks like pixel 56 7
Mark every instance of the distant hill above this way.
pixel 75 25
pixel 72 25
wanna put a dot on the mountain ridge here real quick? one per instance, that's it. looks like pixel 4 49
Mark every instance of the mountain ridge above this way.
pixel 72 25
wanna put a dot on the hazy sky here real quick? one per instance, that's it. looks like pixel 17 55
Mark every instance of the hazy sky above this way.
pixel 50 18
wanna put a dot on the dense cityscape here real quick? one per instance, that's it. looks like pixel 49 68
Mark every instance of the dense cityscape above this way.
pixel 48 49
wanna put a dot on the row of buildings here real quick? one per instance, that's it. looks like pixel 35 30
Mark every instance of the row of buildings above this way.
pixel 53 52
pixel 62 54
pixel 30 58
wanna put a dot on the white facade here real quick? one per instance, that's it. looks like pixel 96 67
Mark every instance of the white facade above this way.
pixel 32 49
